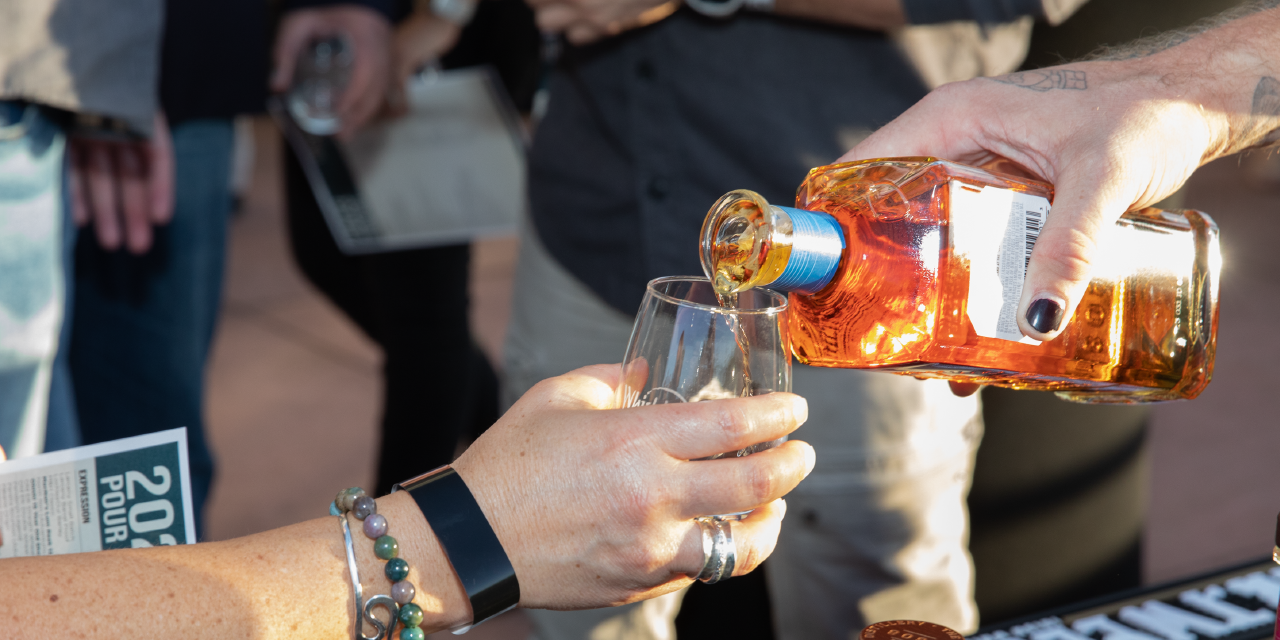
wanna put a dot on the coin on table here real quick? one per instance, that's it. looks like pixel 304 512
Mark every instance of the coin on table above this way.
pixel 908 630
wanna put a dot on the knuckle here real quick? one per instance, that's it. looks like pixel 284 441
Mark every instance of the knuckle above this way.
pixel 761 482
pixel 544 387
pixel 623 439
pixel 946 92
pixel 734 421
pixel 648 557
pixel 641 505
pixel 1068 256
pixel 750 557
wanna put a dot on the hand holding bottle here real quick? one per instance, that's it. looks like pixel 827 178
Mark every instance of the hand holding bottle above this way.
pixel 1103 135
pixel 1110 135
pixel 369 35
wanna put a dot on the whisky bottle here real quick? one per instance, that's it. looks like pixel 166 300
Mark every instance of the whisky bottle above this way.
pixel 915 266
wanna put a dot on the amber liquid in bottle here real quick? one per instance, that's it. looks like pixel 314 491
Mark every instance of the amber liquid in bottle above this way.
pixel 917 253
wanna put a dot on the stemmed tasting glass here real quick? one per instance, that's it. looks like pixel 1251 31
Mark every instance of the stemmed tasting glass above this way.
pixel 685 347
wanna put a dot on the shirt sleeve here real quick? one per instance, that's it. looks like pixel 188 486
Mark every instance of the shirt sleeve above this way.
pixel 390 9
pixel 988 11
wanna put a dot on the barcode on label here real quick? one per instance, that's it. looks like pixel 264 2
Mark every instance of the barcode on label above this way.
pixel 995 229
pixel 1035 221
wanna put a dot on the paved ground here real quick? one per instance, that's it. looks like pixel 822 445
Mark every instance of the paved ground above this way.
pixel 294 388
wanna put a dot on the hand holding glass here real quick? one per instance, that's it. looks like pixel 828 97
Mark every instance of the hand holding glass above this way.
pixel 685 347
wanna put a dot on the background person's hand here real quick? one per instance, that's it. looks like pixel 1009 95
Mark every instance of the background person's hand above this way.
pixel 419 39
pixel 1110 136
pixel 368 33
pixel 122 187
pixel 584 21
pixel 594 506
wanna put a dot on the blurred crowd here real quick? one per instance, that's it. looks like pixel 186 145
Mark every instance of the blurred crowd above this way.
pixel 116 144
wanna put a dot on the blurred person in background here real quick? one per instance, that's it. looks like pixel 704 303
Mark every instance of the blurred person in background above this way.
pixel 438 385
pixel 147 298
pixel 655 111
pixel 88 68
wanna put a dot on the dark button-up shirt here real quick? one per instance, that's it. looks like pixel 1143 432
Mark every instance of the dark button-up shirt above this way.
pixel 645 131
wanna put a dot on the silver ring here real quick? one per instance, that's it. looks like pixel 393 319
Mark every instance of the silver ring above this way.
pixel 719 554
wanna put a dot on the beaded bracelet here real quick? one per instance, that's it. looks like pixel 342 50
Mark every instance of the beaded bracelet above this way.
pixel 385 547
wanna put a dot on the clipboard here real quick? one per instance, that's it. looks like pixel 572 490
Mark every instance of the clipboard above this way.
pixel 449 171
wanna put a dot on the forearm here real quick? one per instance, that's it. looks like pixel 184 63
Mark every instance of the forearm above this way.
pixel 877 15
pixel 286 583
pixel 886 15
pixel 1231 72
pixel 384 7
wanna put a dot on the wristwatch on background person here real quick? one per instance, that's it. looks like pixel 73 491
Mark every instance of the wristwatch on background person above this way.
pixel 458 12
pixel 726 8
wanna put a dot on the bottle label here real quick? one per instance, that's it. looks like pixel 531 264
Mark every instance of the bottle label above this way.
pixel 995 230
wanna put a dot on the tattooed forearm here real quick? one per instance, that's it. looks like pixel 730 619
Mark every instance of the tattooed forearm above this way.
pixel 1264 117
pixel 1147 46
pixel 1046 80
pixel 1152 45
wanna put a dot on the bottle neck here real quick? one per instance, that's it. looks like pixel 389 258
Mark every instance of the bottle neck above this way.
pixel 817 244
pixel 747 243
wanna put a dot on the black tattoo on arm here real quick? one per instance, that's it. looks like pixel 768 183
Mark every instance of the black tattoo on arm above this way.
pixel 1047 80
pixel 1265 114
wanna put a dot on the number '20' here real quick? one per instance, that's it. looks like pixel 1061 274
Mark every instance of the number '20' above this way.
pixel 141 517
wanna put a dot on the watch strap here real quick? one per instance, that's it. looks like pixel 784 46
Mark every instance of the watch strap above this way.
pixel 715 8
pixel 468 540
pixel 458 12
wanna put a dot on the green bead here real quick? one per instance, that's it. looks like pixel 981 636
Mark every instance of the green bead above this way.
pixel 346 497
pixel 333 509
pixel 411 615
pixel 386 548
pixel 397 569
pixel 412 633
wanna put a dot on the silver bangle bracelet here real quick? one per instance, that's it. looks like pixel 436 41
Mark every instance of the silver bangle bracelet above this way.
pixel 355 577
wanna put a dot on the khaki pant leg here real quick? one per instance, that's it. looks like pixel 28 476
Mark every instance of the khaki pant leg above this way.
pixel 558 325
pixel 879 529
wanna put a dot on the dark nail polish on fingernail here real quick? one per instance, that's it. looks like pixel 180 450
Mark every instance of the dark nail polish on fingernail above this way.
pixel 1044 315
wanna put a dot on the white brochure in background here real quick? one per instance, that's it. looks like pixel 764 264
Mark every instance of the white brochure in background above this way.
pixel 450 170
pixel 128 493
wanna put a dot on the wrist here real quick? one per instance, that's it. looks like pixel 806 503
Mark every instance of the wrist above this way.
pixel 1221 72
pixel 456 12
pixel 1154 94
pixel 726 8
pixel 440 593
pixel 468 540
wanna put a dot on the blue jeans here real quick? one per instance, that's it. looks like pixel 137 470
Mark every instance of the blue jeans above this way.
pixel 35 232
pixel 143 324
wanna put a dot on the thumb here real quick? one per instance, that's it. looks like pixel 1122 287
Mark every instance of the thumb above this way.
pixel 1064 257
pixel 295 31
pixel 162 171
